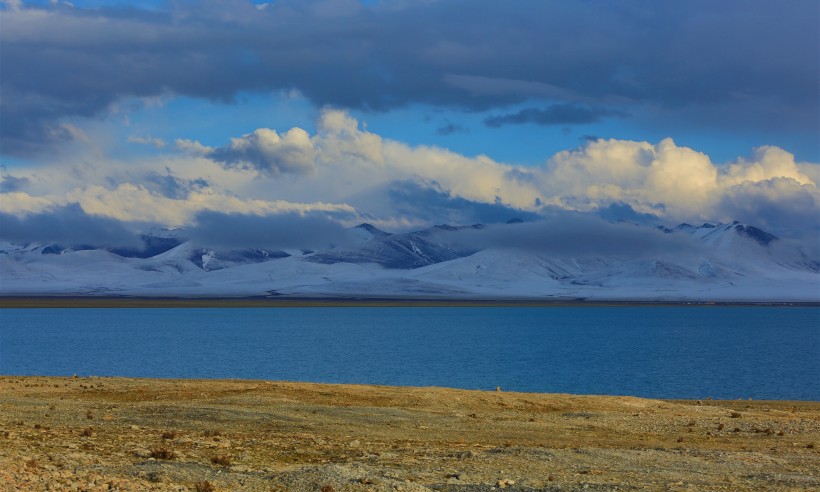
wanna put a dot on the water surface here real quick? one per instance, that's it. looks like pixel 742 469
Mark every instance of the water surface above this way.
pixel 669 352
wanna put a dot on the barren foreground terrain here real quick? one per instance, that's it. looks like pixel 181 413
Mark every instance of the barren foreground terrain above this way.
pixel 138 434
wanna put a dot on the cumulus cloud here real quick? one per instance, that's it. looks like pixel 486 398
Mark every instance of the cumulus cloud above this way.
pixel 767 163
pixel 339 138
pixel 68 225
pixel 353 174
pixel 696 54
pixel 266 151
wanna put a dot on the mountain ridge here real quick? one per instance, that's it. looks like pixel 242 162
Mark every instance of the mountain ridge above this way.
pixel 731 261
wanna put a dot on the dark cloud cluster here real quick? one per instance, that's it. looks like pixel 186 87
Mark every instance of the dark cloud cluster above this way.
pixel 281 231
pixel 556 114
pixel 449 128
pixel 780 205
pixel 68 226
pixel 172 187
pixel 11 183
pixel 689 55
pixel 577 235
pixel 71 226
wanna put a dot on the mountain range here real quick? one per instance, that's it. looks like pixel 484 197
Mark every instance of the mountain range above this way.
pixel 709 262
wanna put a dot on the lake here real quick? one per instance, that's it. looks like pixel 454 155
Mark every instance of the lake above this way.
pixel 664 352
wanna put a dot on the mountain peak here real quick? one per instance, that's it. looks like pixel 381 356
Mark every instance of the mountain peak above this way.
pixel 372 229
pixel 762 237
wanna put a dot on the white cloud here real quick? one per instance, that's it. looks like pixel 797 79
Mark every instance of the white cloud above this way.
pixel 134 203
pixel 268 152
pixel 662 179
pixel 152 141
pixel 345 169
pixel 192 146
pixel 13 4
pixel 767 163
pixel 339 138
pixel 672 182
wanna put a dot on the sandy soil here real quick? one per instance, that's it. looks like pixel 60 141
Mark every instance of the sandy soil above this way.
pixel 137 434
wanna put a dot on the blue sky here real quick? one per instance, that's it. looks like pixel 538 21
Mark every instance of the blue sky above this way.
pixel 681 110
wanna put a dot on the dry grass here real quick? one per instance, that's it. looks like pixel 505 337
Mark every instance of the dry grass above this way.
pixel 163 454
pixel 237 431
pixel 222 460
pixel 204 486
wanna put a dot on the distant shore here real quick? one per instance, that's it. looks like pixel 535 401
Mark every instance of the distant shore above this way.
pixel 283 302
pixel 96 433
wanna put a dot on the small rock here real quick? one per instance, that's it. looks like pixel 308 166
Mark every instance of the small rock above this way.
pixel 504 483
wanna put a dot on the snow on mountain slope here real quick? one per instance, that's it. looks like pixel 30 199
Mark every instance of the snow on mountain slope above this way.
pixel 719 262
pixel 404 251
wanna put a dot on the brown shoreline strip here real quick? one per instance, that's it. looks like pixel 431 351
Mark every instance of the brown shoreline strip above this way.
pixel 246 302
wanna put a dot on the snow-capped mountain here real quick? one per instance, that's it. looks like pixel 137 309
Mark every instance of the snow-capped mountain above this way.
pixel 707 262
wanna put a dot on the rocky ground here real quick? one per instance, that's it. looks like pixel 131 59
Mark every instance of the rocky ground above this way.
pixel 100 434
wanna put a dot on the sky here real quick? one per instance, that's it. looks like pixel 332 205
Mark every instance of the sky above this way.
pixel 234 115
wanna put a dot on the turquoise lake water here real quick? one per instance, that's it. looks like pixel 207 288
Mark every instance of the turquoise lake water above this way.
pixel 665 352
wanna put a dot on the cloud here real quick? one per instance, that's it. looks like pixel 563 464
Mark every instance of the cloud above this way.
pixel 11 183
pixel 340 138
pixel 347 172
pixel 678 183
pixel 571 234
pixel 153 141
pixel 450 128
pixel 129 202
pixel 173 187
pixel 557 114
pixel 68 225
pixel 767 163
pixel 279 231
pixel 428 202
pixel 266 151
pixel 622 212
pixel 779 205
pixel 734 64
pixel 192 146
